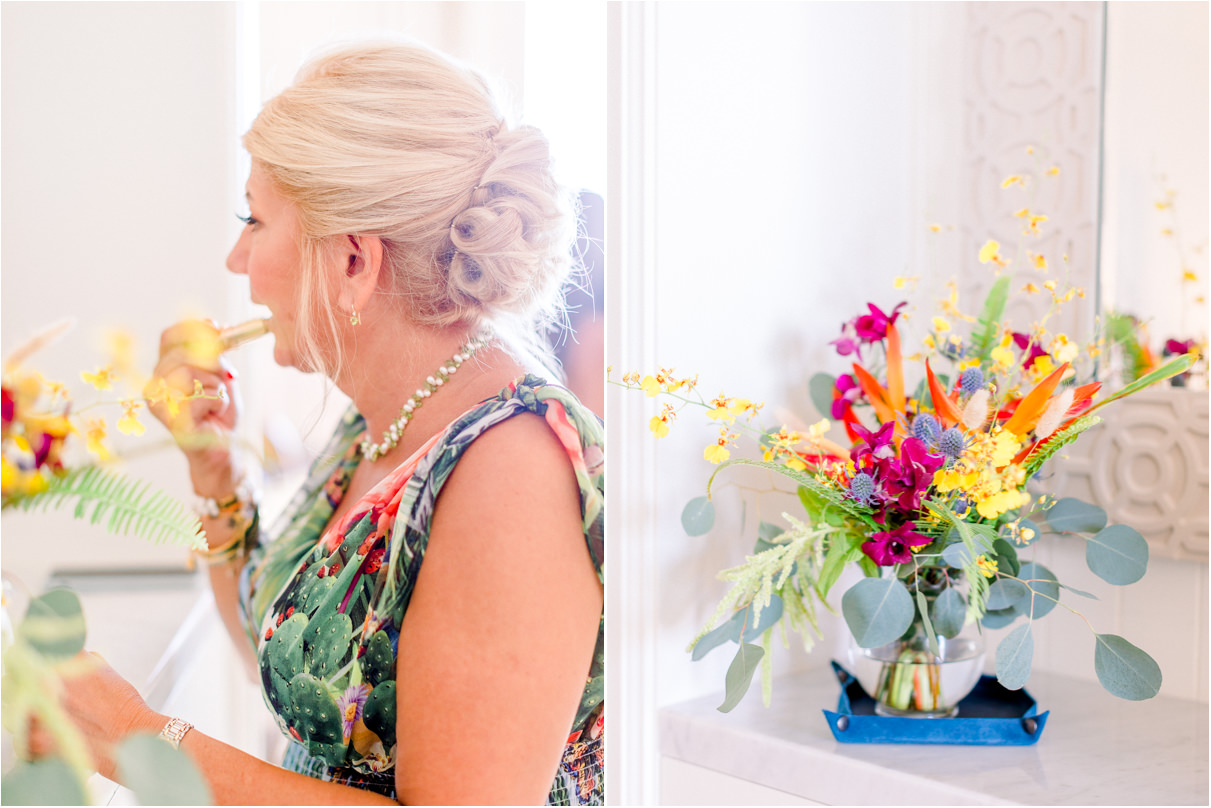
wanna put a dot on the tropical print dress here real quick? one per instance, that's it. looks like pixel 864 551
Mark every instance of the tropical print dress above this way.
pixel 324 606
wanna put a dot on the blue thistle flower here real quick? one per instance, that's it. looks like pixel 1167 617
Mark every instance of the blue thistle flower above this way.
pixel 952 442
pixel 862 488
pixel 952 348
pixel 925 428
pixel 971 380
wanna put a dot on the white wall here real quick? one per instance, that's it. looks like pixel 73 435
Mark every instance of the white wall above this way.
pixel 1156 126
pixel 116 119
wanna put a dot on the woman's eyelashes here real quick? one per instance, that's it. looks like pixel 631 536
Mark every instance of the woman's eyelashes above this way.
pixel 248 220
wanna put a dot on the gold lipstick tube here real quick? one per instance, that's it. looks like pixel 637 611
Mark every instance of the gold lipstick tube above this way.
pixel 233 336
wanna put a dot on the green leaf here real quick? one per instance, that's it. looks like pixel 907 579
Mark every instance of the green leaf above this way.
pixel 957 555
pixel 159 774
pixel 1171 368
pixel 877 610
pixel 132 506
pixel 698 516
pixel 1008 594
pixel 54 625
pixel 45 782
pixel 716 637
pixel 999 618
pixel 986 333
pixel 843 549
pixel 820 388
pixel 1076 591
pixel 1118 555
pixel 769 615
pixel 769 531
pixel 1072 515
pixel 1015 655
pixel 1124 670
pixel 740 675
pixel 930 635
pixel 1041 580
pixel 1006 557
pixel 949 612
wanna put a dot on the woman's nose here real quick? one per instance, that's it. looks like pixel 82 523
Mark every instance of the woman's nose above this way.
pixel 237 259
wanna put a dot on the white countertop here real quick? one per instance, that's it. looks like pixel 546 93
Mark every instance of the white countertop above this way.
pixel 1095 749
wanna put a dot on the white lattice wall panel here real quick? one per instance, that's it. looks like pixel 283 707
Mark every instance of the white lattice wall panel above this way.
pixel 1147 466
pixel 1033 79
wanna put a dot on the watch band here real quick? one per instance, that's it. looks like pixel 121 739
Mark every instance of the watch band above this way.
pixel 175 730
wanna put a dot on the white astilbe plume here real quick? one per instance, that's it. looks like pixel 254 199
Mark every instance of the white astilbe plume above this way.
pixel 1053 416
pixel 976 411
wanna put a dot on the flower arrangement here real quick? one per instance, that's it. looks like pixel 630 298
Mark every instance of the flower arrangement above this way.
pixel 41 466
pixel 930 501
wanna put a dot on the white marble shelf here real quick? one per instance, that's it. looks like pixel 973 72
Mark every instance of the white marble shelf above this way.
pixel 1095 750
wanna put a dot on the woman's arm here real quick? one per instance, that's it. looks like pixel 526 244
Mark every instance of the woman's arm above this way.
pixel 107 709
pixel 499 635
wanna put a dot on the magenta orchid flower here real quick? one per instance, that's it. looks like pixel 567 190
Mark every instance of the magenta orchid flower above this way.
pixel 876 445
pixel 909 478
pixel 873 327
pixel 890 547
pixel 1176 347
pixel 1022 340
pixel 850 392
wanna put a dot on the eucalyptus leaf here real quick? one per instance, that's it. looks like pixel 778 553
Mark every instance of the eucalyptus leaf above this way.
pixel 45 782
pixel 999 618
pixel 949 612
pixel 1015 655
pixel 159 774
pixel 769 531
pixel 877 610
pixel 1008 594
pixel 54 624
pixel 740 674
pixel 1006 557
pixel 820 388
pixel 957 555
pixel 1124 670
pixel 1080 592
pixel 1043 581
pixel 769 615
pixel 930 636
pixel 698 516
pixel 716 637
pixel 1118 555
pixel 761 545
pixel 1072 515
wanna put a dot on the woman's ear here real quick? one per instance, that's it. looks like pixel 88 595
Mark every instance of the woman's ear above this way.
pixel 361 258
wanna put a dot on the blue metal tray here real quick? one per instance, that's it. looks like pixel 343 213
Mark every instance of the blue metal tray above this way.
pixel 989 715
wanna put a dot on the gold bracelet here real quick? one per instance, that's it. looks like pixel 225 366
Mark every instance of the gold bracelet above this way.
pixel 239 512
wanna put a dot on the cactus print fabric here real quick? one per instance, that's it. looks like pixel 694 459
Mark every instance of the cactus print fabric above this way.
pixel 324 605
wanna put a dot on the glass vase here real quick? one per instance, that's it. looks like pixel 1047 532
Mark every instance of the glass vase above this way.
pixel 905 677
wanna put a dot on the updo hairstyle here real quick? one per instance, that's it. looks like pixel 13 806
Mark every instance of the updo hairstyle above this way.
pixel 398 141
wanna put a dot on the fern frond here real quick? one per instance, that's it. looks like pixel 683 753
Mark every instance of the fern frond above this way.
pixel 132 507
pixel 1058 441
pixel 988 330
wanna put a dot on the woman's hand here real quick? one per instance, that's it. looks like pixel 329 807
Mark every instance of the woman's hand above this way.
pixel 105 708
pixel 191 358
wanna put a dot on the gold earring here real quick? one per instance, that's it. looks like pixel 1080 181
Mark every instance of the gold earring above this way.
pixel 355 318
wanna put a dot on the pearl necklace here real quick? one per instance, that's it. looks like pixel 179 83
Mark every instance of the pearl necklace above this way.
pixel 391 438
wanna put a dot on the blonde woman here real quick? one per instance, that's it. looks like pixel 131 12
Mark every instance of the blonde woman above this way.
pixel 426 618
